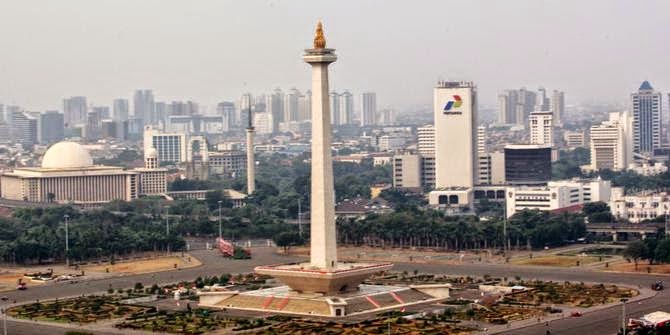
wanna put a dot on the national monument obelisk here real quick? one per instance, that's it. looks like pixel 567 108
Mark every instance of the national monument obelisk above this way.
pixel 323 244
pixel 323 274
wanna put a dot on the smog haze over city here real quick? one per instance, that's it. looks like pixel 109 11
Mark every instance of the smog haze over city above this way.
pixel 211 50
pixel 280 167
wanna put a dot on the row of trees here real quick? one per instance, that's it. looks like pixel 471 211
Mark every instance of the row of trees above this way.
pixel 650 249
pixel 35 235
pixel 419 228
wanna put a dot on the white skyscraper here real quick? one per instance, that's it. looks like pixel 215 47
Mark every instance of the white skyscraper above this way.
pixel 647 120
pixel 144 107
pixel 507 104
pixel 558 107
pixel 120 110
pixel 541 100
pixel 227 112
pixel 455 115
pixel 368 109
pixel 426 140
pixel 346 108
pixel 291 105
pixel 481 140
pixel 305 106
pixel 611 143
pixel 275 105
pixel 525 105
pixel 541 128
pixel 263 123
pixel 74 111
pixel 335 108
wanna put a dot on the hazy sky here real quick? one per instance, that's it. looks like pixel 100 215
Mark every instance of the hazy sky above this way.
pixel 215 50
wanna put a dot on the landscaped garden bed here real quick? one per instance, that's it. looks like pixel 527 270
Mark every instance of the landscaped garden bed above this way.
pixel 571 294
pixel 397 325
pixel 197 321
pixel 84 309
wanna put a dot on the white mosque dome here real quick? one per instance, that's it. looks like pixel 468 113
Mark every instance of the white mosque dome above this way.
pixel 65 155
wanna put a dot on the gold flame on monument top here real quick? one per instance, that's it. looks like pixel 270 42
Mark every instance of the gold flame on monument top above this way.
pixel 319 39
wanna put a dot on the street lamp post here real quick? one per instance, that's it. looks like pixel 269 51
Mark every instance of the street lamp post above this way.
pixel 167 228
pixel 623 315
pixel 220 233
pixel 4 315
pixel 67 239
pixel 299 218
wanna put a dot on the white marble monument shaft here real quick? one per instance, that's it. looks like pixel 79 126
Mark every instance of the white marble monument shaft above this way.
pixel 323 252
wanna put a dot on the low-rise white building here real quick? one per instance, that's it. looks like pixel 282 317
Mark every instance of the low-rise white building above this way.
pixel 640 206
pixel 557 195
pixel 647 169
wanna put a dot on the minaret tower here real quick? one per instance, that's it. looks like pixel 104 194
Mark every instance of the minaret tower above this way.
pixel 323 239
pixel 251 160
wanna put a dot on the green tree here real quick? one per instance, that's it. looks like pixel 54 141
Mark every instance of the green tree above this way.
pixel 288 239
pixel 636 251
pixel 662 251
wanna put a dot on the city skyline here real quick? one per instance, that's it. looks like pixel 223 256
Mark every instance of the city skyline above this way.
pixel 105 51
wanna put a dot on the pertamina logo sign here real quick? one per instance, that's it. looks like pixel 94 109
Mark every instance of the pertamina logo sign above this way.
pixel 452 105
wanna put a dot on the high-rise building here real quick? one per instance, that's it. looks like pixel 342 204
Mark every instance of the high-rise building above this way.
pixel 558 106
pixel 481 140
pixel 51 127
pixel 346 108
pixel 263 123
pixel 335 108
pixel 574 139
pixel 160 109
pixel 108 128
pixel 527 164
pixel 647 107
pixel 368 109
pixel 455 112
pixel 291 105
pixel 121 109
pixel 24 129
pixel 74 111
pixel 227 111
pixel 611 143
pixel 181 108
pixel 507 104
pixel 143 107
pixel 305 106
pixel 541 100
pixel 426 140
pixel 541 128
pixel 407 171
pixel 275 105
pixel 386 117
pixel 93 123
pixel 525 105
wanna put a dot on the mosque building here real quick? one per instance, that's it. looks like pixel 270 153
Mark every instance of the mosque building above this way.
pixel 68 176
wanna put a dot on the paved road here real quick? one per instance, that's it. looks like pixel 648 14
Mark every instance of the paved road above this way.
pixel 605 321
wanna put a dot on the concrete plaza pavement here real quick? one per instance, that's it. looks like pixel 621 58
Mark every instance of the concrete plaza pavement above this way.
pixel 606 320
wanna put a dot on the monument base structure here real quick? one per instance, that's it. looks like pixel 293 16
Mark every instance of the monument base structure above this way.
pixel 365 299
pixel 323 286
pixel 304 278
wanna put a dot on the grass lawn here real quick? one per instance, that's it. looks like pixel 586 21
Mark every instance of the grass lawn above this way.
pixel 642 267
pixel 562 261
pixel 145 265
